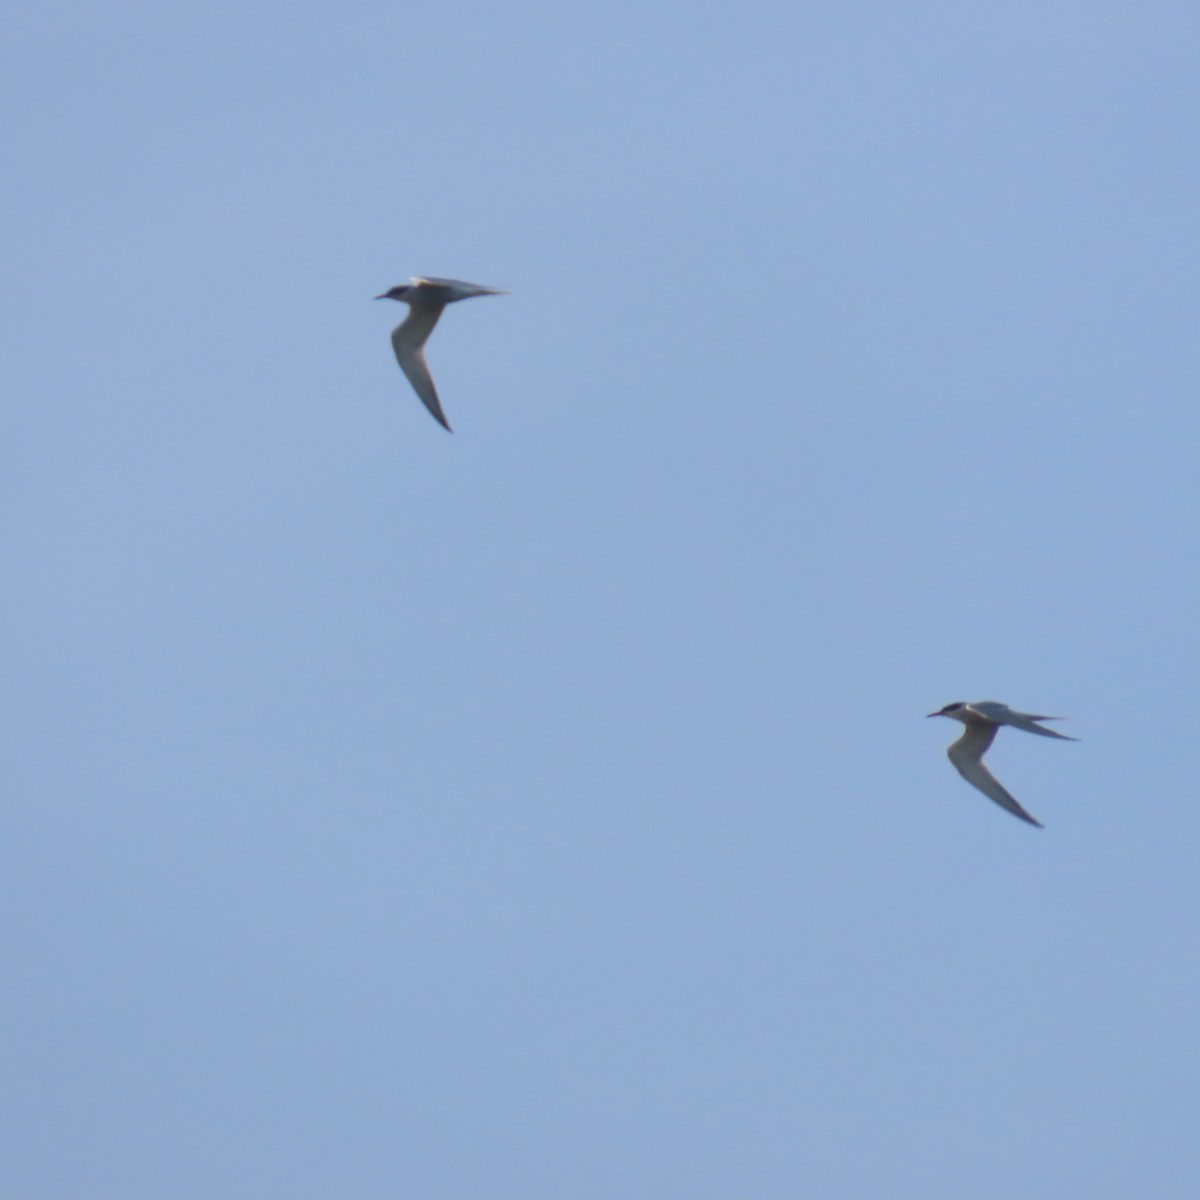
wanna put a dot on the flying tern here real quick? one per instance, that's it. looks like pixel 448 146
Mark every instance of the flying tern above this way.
pixel 982 719
pixel 426 297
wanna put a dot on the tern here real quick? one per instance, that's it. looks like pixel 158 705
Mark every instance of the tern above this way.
pixel 982 719
pixel 426 297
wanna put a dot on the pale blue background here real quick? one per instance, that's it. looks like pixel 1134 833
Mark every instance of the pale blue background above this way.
pixel 548 810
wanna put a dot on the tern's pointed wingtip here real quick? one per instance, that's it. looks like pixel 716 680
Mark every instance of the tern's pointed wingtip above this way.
pixel 1029 819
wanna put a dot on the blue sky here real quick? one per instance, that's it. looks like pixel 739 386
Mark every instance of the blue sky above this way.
pixel 548 810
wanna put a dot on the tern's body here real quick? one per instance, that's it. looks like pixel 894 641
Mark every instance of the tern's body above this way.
pixel 426 297
pixel 982 719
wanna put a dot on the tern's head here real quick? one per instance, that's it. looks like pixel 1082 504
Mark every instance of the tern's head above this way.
pixel 954 710
pixel 400 292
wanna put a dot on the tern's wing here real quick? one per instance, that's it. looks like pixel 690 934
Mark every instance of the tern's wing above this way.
pixel 967 756
pixel 408 340
pixel 436 281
